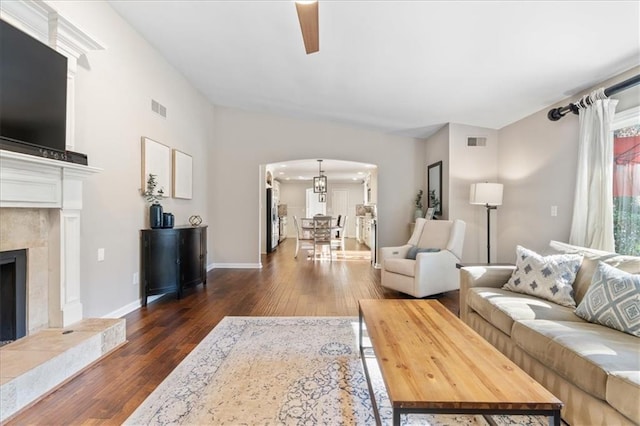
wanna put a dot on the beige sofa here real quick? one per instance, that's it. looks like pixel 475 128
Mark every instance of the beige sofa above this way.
pixel 593 369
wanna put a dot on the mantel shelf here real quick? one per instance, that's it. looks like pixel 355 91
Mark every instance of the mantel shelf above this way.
pixel 32 159
pixel 35 182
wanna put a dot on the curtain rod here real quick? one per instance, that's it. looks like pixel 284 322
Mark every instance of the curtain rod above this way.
pixel 556 114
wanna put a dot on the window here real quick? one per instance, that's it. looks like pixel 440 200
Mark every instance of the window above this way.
pixel 626 182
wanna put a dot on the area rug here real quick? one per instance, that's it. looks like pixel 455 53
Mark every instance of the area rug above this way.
pixel 281 371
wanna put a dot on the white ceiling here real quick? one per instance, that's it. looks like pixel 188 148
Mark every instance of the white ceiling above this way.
pixel 404 67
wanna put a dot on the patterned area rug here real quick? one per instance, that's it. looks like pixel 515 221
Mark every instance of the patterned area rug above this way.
pixel 281 371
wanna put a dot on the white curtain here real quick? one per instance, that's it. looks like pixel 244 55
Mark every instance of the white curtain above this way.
pixel 592 224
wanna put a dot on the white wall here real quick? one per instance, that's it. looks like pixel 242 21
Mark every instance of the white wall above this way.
pixel 113 111
pixel 244 140
pixel 537 163
pixel 472 164
pixel 463 165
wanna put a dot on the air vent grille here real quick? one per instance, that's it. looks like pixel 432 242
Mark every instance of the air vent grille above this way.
pixel 476 141
pixel 158 108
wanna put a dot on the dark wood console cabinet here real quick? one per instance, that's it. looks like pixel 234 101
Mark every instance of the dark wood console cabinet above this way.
pixel 172 259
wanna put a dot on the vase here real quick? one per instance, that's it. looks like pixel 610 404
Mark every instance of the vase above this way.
pixel 167 220
pixel 418 214
pixel 155 216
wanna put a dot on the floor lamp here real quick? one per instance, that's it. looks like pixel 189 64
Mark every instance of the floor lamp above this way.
pixel 489 195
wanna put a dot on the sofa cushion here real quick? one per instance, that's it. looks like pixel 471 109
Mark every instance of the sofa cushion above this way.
pixel 623 393
pixel 581 352
pixel 502 307
pixel 400 266
pixel 548 277
pixel 613 300
pixel 591 259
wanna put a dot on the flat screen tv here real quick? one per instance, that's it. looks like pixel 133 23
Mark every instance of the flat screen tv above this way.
pixel 33 91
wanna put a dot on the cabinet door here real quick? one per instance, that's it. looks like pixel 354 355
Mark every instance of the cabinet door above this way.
pixel 160 262
pixel 191 253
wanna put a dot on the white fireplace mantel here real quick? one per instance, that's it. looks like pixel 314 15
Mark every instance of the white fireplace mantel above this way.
pixel 36 182
pixel 27 181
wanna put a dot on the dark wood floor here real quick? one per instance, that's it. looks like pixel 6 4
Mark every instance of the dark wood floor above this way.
pixel 162 334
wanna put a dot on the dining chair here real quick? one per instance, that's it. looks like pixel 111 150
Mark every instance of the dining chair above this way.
pixel 302 242
pixel 322 234
pixel 339 240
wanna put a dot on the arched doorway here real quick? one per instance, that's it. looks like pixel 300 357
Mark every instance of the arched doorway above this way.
pixel 350 185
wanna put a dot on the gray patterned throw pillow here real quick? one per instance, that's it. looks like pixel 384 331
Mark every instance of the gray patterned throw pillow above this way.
pixel 613 300
pixel 547 277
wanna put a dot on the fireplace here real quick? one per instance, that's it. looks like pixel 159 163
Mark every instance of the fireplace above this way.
pixel 13 295
pixel 41 198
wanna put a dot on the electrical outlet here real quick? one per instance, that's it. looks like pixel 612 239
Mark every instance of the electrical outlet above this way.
pixel 136 278
pixel 554 211
pixel 100 254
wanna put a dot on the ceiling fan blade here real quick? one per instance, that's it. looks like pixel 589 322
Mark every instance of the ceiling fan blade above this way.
pixel 308 17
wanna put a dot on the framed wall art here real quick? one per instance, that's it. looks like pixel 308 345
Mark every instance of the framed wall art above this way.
pixel 182 175
pixel 156 160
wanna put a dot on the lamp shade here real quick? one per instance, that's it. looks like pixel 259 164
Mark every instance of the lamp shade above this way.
pixel 486 194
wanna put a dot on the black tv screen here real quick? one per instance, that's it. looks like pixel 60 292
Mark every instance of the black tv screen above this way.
pixel 33 90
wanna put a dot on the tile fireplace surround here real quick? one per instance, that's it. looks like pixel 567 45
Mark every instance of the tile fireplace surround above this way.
pixel 40 206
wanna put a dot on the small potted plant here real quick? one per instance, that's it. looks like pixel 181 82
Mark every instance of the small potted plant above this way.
pixel 154 196
pixel 433 200
pixel 418 213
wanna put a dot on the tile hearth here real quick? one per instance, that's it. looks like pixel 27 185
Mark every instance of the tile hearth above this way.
pixel 34 365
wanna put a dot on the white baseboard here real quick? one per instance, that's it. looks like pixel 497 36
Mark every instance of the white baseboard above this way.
pixel 234 266
pixel 119 313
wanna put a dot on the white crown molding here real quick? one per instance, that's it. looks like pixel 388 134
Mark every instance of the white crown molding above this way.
pixel 69 39
pixel 30 16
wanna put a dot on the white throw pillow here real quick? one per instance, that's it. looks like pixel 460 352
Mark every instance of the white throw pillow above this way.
pixel 547 277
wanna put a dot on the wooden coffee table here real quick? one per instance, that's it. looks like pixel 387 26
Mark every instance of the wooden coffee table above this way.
pixel 432 362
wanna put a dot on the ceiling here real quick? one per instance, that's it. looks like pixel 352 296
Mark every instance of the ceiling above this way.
pixel 404 67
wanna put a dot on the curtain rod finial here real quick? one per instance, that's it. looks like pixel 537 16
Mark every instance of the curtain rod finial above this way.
pixel 555 114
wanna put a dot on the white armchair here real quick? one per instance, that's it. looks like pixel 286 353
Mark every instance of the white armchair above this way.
pixel 431 272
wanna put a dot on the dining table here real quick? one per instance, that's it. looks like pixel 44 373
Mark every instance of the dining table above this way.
pixel 306 226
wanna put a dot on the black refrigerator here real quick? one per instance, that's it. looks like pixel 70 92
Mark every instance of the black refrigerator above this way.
pixel 273 233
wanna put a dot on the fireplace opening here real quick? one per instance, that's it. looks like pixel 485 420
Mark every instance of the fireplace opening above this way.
pixel 13 295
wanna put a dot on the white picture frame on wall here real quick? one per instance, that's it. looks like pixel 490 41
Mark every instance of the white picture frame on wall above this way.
pixel 156 160
pixel 182 175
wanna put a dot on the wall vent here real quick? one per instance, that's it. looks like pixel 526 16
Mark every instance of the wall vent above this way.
pixel 158 108
pixel 476 141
